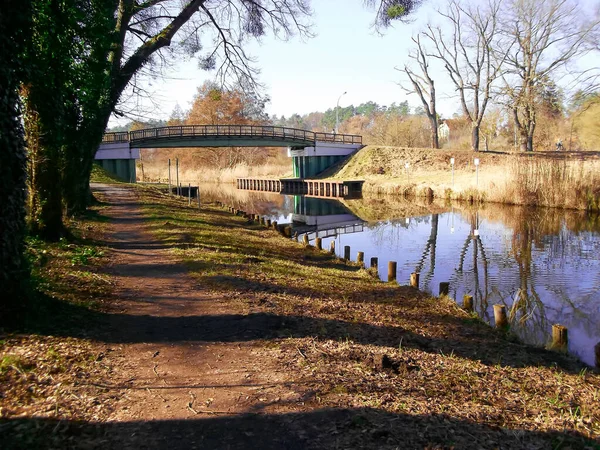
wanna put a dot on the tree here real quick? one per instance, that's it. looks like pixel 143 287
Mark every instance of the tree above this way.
pixel 424 86
pixel 15 25
pixel 548 37
pixel 467 56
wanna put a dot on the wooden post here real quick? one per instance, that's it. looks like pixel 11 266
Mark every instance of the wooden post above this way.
pixel 177 189
pixel 560 337
pixel 287 231
pixel 274 225
pixel 347 252
pixel 305 240
pixel 268 223
pixel 198 196
pixel 374 262
pixel 392 268
pixel 414 280
pixel 444 288
pixel 597 352
pixel 189 194
pixel 332 248
pixel 319 243
pixel 468 303
pixel 360 258
pixel 170 176
pixel 500 316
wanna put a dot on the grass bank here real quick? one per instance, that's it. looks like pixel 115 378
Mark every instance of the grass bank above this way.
pixel 390 353
pixel 50 369
pixel 564 180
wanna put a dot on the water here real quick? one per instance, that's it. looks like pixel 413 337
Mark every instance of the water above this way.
pixel 543 264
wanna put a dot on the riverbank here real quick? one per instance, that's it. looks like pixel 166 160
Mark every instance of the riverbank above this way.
pixel 563 180
pixel 223 333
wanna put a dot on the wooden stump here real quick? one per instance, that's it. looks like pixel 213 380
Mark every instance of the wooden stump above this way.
pixel 319 243
pixel 414 280
pixel 444 288
pixel 560 337
pixel 332 248
pixel 392 268
pixel 360 258
pixel 500 316
pixel 347 252
pixel 305 240
pixel 288 231
pixel 374 262
pixel 468 303
pixel 597 352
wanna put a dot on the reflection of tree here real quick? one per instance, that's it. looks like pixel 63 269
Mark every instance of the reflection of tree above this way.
pixel 429 250
pixel 480 296
pixel 526 302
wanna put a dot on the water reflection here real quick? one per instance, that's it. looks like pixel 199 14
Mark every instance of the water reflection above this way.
pixel 543 264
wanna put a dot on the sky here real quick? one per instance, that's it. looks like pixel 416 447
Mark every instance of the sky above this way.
pixel 302 76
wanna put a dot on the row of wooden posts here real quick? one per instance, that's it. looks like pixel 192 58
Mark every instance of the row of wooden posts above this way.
pixel 560 335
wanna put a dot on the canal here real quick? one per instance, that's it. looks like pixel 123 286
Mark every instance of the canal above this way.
pixel 543 264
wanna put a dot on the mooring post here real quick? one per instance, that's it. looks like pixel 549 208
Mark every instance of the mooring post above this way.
pixel 274 225
pixel 414 279
pixel 268 223
pixel 170 193
pixel 332 248
pixel 319 243
pixel 177 189
pixel 444 288
pixel 374 262
pixel 305 240
pixel 468 303
pixel 360 258
pixel 347 252
pixel 560 337
pixel 500 316
pixel 392 269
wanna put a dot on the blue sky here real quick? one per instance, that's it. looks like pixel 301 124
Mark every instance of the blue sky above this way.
pixel 309 75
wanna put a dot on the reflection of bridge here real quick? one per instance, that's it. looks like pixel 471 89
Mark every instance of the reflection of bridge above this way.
pixel 311 152
pixel 324 218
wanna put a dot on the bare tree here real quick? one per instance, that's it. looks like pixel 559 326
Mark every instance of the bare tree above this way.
pixel 467 56
pixel 549 37
pixel 424 86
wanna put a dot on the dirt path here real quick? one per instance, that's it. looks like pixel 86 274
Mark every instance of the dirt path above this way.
pixel 179 352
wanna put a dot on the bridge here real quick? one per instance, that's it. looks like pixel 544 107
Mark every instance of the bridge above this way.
pixel 311 152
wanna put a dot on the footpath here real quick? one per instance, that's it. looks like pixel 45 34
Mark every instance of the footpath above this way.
pixel 225 335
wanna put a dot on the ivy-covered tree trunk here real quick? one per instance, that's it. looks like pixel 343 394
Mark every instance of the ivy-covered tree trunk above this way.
pixel 14 28
pixel 44 181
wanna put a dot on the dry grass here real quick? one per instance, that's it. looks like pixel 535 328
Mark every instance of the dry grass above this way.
pixel 549 179
pixel 460 383
pixel 156 173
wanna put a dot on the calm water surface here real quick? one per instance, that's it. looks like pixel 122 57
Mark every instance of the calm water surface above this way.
pixel 543 264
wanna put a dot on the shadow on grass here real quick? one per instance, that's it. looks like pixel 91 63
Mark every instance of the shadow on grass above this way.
pixel 365 428
pixel 58 318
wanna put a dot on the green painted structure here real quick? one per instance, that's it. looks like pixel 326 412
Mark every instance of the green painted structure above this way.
pixel 311 166
pixel 123 169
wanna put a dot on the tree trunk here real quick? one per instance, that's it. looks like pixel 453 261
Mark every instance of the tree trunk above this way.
pixel 44 183
pixel 475 137
pixel 14 273
pixel 435 141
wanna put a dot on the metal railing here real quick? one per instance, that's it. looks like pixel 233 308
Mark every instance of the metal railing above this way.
pixel 230 131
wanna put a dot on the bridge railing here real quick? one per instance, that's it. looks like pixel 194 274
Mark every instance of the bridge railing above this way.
pixel 116 137
pixel 224 131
